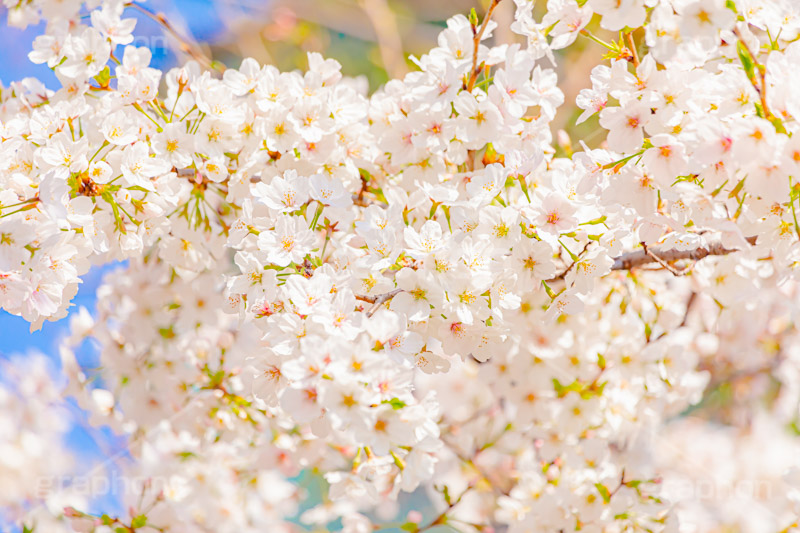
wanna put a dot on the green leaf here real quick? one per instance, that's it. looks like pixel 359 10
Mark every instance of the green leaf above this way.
pixel 549 291
pixel 473 18
pixel 603 492
pixel 593 222
pixel 563 390
pixel 396 403
pixel 778 123
pixel 399 462
pixel 524 186
pixel 434 207
pixel 736 190
pixel 446 493
pixel 718 189
pixel 139 521
pixel 593 390
pixel 104 77
pixel 747 60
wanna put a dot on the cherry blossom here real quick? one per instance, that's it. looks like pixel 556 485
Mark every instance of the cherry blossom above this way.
pixel 423 288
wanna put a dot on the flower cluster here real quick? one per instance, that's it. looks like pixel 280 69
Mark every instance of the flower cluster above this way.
pixel 418 289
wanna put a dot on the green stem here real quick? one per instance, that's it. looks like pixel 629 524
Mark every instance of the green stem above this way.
pixel 623 160
pixel 105 143
pixel 174 106
pixel 187 113
pixel 598 40
pixel 19 203
pixel 316 216
pixel 138 108
pixel 21 209
pixel 159 111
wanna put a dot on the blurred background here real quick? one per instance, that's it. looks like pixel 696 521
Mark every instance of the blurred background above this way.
pixel 371 38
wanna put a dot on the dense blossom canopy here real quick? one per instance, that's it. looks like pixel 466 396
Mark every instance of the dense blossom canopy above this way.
pixel 418 289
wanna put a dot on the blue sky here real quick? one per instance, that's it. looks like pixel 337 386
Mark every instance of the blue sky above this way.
pixel 204 23
pixel 201 18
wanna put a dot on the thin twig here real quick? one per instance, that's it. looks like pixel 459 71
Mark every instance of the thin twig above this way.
pixel 626 261
pixel 631 260
pixel 632 44
pixel 381 299
pixel 640 257
pixel 185 45
pixel 442 518
pixel 473 77
pixel 571 265
pixel 663 263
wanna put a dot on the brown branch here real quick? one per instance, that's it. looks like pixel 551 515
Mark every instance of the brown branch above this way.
pixel 641 257
pixel 663 263
pixel 473 77
pixel 378 300
pixel 382 299
pixel 626 261
pixel 648 255
pixel 365 298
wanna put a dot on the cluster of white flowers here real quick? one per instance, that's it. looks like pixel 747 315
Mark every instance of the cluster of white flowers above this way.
pixel 417 289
